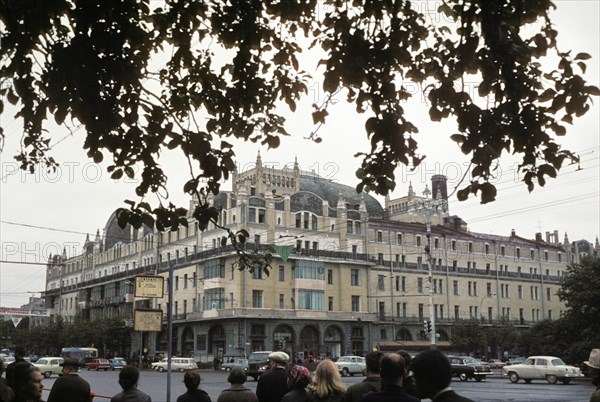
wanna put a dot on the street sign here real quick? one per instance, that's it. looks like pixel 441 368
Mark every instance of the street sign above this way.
pixel 149 286
pixel 147 320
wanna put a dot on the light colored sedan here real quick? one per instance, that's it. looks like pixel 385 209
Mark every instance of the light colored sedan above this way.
pixel 49 366
pixel 350 365
pixel 549 368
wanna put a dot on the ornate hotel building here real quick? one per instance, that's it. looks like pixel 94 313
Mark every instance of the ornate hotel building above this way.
pixel 356 276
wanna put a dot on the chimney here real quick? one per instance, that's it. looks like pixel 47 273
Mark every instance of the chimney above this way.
pixel 538 237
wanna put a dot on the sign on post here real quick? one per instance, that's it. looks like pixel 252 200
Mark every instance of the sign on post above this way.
pixel 149 286
pixel 147 320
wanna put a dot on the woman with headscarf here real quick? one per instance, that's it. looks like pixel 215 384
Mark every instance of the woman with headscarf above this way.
pixel 298 379
pixel 327 385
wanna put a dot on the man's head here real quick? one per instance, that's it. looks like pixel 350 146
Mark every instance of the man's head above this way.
pixel 594 364
pixel 278 359
pixel 237 376
pixel 372 359
pixel 20 352
pixel 70 365
pixel 393 368
pixel 27 381
pixel 128 377
pixel 191 379
pixel 432 372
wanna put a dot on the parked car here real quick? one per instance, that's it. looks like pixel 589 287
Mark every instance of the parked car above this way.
pixel 49 366
pixel 466 367
pixel 495 363
pixel 243 363
pixel 8 360
pixel 117 363
pixel 98 364
pixel 350 365
pixel 177 364
pixel 550 368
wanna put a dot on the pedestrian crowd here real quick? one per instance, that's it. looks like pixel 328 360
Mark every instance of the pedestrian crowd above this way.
pixel 391 377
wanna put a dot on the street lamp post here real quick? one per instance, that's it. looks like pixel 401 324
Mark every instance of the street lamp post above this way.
pixel 429 206
pixel 481 304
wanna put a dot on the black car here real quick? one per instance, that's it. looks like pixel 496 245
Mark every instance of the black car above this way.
pixel 466 367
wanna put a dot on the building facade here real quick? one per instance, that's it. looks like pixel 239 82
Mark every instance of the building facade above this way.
pixel 348 274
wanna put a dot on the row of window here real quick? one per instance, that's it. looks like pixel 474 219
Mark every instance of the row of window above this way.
pixel 455 246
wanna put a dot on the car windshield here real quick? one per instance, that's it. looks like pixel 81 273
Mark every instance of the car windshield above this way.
pixel 470 360
pixel 557 362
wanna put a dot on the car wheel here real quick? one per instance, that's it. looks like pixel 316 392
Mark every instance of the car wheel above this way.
pixel 255 377
pixel 106 369
pixel 551 379
pixel 227 369
pixel 345 372
pixel 181 370
pixel 478 379
pixel 565 380
pixel 513 377
pixel 364 372
pixel 463 376
pixel 47 374
pixel 528 381
pixel 161 369
pixel 88 369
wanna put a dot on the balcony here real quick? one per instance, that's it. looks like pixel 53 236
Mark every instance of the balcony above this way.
pixel 249 312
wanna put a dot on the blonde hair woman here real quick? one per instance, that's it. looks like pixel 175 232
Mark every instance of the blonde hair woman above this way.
pixel 327 385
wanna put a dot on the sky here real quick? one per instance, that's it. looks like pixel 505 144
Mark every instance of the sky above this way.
pixel 43 213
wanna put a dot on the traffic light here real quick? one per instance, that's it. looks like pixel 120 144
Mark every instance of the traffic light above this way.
pixel 427 326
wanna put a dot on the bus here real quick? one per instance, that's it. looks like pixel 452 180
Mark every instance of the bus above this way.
pixel 83 355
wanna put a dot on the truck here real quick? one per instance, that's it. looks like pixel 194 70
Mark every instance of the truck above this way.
pixel 258 363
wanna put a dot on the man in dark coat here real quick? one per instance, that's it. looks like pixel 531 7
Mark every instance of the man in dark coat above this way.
pixel 191 379
pixel 272 385
pixel 20 354
pixel 392 372
pixel 70 387
pixel 372 383
pixel 237 392
pixel 433 373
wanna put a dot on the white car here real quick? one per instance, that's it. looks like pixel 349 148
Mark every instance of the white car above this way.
pixel 177 364
pixel 49 366
pixel 547 368
pixel 350 365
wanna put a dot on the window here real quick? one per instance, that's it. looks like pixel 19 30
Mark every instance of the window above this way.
pixel 419 262
pixel 330 277
pixel 354 277
pixel 214 269
pixel 354 251
pixel 453 245
pixel 309 299
pixel 355 303
pixel 257 273
pixel 330 303
pixel 456 312
pixel 309 269
pixel 176 282
pixel 379 236
pixel 489 289
pixel 420 285
pixel 281 273
pixel 418 241
pixel 381 282
pixel 194 279
pixel 257 298
pixel 185 281
pixel 252 215
pixel 456 288
pixel 257 239
pixel 380 258
pixel 307 220
pixel 436 243
pixel 520 291
pixel 487 249
pixel 532 254
pixel 548 294
pixel 357 228
pixel 349 227
pixel 545 256
pixel 399 238
pixel 214 298
pixel 502 251
pixel 470 247
pixel 281 302
pixel 518 252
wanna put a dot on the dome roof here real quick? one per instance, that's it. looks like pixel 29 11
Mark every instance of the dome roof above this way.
pixel 331 191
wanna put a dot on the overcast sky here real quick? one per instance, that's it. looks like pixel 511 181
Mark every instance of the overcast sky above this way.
pixel 43 213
